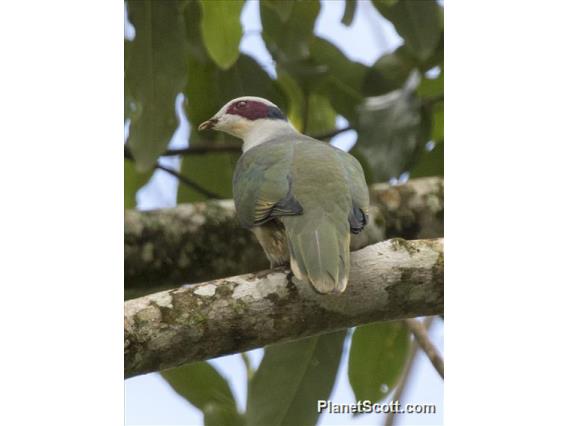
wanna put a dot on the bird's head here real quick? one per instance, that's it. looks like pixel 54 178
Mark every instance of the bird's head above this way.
pixel 244 116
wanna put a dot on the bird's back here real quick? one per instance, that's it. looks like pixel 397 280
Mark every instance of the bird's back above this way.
pixel 319 239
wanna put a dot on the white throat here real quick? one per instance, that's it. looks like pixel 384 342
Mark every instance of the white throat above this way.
pixel 264 130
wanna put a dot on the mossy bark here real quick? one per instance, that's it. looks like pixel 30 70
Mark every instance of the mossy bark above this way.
pixel 196 242
pixel 390 280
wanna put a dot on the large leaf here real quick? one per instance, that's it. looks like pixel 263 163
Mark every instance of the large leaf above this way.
pixel 290 380
pixel 392 132
pixel 389 72
pixel 376 359
pixel 201 385
pixel 213 171
pixel 221 30
pixel 438 128
pixel 295 98
pixel 287 33
pixel 283 8
pixel 133 181
pixel 420 23
pixel 156 73
pixel 343 78
pixel 431 163
pixel 431 88
pixel 321 116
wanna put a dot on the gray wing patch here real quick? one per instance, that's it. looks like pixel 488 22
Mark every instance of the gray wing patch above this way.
pixel 287 206
pixel 357 220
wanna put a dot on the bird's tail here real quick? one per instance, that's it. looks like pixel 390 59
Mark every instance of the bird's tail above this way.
pixel 319 254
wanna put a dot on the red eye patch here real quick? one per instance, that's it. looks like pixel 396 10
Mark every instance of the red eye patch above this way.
pixel 254 110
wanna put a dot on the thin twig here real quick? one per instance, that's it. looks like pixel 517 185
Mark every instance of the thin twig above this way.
pixel 205 149
pixel 194 185
pixel 333 133
pixel 231 148
pixel 398 394
pixel 421 335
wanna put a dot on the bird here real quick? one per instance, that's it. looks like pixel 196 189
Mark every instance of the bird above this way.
pixel 301 197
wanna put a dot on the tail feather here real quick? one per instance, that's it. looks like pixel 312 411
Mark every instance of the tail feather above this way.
pixel 320 255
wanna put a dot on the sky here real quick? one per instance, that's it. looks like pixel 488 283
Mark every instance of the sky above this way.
pixel 148 398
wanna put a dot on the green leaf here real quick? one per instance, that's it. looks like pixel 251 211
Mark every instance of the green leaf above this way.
pixel 377 357
pixel 290 380
pixel 321 116
pixel 288 40
pixel 431 88
pixel 221 30
pixel 216 415
pixel 430 163
pixel 389 72
pixel 283 8
pixel 438 130
pixel 392 132
pixel 295 97
pixel 156 73
pixel 213 171
pixel 133 181
pixel 349 13
pixel 201 385
pixel 420 23
pixel 343 78
pixel 128 99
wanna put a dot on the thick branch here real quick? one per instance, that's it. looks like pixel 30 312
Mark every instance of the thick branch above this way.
pixel 201 241
pixel 390 280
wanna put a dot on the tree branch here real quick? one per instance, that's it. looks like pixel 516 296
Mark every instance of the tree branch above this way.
pixel 235 148
pixel 390 280
pixel 400 388
pixel 203 149
pixel 421 335
pixel 201 241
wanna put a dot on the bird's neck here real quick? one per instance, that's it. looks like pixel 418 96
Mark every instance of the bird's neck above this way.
pixel 265 130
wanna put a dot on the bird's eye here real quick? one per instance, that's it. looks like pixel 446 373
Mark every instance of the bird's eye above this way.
pixel 241 104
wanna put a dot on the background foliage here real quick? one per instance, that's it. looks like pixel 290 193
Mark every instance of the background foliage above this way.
pixel 192 47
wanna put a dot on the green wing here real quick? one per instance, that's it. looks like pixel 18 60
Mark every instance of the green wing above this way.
pixel 358 216
pixel 262 185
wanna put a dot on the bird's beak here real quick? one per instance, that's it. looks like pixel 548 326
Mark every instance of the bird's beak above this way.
pixel 209 124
